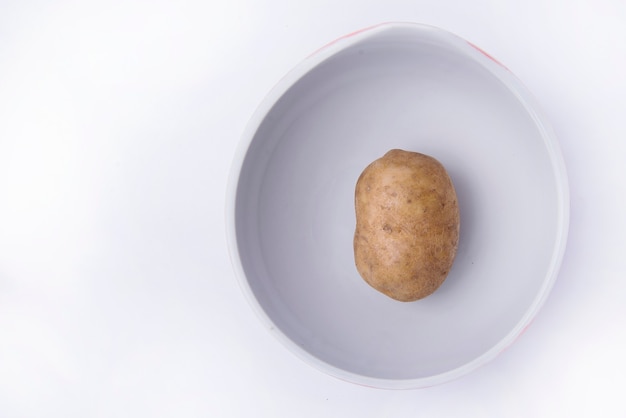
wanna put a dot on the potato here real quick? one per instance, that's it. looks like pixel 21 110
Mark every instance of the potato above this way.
pixel 407 225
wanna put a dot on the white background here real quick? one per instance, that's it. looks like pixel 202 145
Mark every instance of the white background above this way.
pixel 118 124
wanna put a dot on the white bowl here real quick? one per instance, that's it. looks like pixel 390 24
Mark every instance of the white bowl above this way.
pixel 290 212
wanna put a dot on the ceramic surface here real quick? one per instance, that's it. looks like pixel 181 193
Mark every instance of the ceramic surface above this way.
pixel 290 214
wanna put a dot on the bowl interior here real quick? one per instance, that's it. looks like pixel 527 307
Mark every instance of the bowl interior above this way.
pixel 421 90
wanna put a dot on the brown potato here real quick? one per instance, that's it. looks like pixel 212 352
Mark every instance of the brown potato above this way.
pixel 407 225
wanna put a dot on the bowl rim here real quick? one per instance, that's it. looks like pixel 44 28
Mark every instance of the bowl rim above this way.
pixel 556 159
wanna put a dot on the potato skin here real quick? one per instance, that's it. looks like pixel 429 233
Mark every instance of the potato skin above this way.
pixel 407 225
